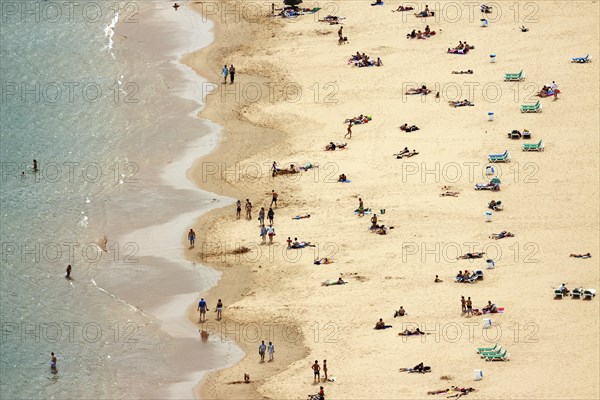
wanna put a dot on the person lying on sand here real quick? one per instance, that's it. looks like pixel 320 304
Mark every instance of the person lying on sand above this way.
pixel 340 281
pixel 402 8
pixel 406 150
pixel 408 332
pixel 501 235
pixel 322 261
pixel 332 146
pixel 407 128
pixel 407 154
pixel 469 71
pixel 470 255
pixel 459 103
pixel 452 390
pixel 422 90
pixel 587 255
pixel 420 368
pixel 449 194
pixel 495 205
pixel 301 216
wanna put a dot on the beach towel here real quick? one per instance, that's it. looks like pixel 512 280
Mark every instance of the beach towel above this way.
pixel 385 327
pixel 500 311
pixel 377 4
pixel 367 211
pixel 346 181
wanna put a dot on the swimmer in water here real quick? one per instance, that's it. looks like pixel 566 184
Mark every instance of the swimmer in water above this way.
pixel 53 361
pixel 176 6
pixel 35 166
pixel 68 276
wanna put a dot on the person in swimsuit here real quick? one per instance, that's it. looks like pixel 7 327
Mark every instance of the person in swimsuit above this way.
pixel 238 212
pixel 68 276
pixel 192 237
pixel 219 309
pixel 469 307
pixel 248 209
pixel 361 207
pixel 316 371
pixel 274 198
pixel 271 215
pixel 53 361
pixel 463 303
pixel 325 370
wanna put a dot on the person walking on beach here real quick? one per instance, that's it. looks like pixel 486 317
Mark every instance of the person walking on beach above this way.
pixel 261 350
pixel 469 307
pixel 248 209
pixel 68 276
pixel 238 211
pixel 289 242
pixel 271 216
pixel 325 370
pixel 225 72
pixel 232 73
pixel 554 88
pixel 316 371
pixel 271 349
pixel 261 216
pixel 349 131
pixel 271 233
pixel 53 362
pixel 219 310
pixel 263 234
pixel 192 238
pixel 202 308
pixel 463 303
pixel 274 198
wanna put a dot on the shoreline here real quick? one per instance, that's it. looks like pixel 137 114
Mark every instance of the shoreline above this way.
pixel 287 294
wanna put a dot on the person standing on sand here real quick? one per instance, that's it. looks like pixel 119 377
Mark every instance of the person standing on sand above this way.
pixel 554 87
pixel 349 131
pixel 225 72
pixel 263 234
pixel 469 307
pixel 261 216
pixel 192 238
pixel 238 212
pixel 325 370
pixel 261 350
pixel 202 308
pixel 271 233
pixel 219 309
pixel 316 371
pixel 463 303
pixel 274 198
pixel 248 209
pixel 361 208
pixel 289 242
pixel 271 351
pixel 68 276
pixel 271 216
pixel 232 73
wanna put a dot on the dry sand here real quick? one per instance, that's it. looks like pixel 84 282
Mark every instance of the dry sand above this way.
pixel 551 201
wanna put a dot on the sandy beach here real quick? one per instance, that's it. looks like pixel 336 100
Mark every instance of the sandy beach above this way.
pixel 293 90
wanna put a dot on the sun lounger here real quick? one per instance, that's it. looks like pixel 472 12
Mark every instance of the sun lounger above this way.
pixel 504 157
pixel 539 146
pixel 558 293
pixel 582 60
pixel 492 353
pixel 531 108
pixel 478 274
pixel 486 349
pixel 499 357
pixel 526 134
pixel 577 293
pixel 588 294
pixel 514 77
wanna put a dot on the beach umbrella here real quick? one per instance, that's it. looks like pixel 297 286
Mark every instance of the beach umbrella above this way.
pixel 292 2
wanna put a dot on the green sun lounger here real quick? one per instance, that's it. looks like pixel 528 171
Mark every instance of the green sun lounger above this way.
pixel 485 349
pixel 504 157
pixel 530 108
pixel 514 77
pixel 539 146
pixel 498 357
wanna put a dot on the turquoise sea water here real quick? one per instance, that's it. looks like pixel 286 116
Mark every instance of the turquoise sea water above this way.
pixel 67 102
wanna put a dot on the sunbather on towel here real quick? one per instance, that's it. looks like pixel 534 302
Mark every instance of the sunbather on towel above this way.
pixel 451 194
pixel 490 308
pixel 487 186
pixel 381 325
pixel 587 255
pixel 407 128
pixel 471 255
pixel 300 245
pixel 494 205
pixel 340 281
pixel 425 13
pixel 501 235
pixel 322 261
pixel 459 103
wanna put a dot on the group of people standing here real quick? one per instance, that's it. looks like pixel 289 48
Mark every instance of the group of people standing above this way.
pixel 270 215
